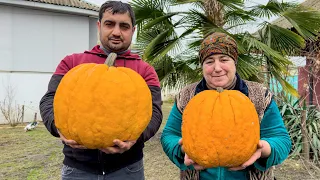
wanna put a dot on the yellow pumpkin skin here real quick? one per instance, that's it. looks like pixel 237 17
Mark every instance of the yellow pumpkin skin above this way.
pixel 95 104
pixel 220 129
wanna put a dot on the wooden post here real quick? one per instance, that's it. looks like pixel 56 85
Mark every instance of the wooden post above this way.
pixel 35 117
pixel 304 134
pixel 22 113
pixel 311 90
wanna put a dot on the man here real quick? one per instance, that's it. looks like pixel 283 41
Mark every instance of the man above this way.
pixel 124 160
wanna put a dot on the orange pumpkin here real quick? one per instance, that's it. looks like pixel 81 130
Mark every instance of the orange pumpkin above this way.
pixel 97 103
pixel 220 129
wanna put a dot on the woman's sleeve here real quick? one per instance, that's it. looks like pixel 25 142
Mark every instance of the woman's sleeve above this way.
pixel 170 137
pixel 273 130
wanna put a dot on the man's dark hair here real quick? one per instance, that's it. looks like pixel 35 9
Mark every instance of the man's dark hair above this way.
pixel 117 7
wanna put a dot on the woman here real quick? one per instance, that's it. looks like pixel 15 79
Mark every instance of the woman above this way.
pixel 218 57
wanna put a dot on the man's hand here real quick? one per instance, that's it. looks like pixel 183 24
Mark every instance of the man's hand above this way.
pixel 119 148
pixel 70 142
pixel 188 161
pixel 263 151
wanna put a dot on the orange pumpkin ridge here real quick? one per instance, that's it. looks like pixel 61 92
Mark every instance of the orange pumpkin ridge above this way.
pixel 97 103
pixel 220 128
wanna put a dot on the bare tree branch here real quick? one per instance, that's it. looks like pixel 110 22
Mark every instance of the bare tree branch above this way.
pixel 11 111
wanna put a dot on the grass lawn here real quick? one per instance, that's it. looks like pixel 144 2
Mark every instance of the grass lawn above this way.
pixel 38 155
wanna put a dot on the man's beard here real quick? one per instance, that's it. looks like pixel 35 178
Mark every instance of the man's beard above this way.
pixel 115 47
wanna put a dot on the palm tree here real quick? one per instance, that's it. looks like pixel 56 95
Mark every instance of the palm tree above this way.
pixel 169 38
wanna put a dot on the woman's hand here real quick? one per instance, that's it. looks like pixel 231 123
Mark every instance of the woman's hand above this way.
pixel 188 161
pixel 263 151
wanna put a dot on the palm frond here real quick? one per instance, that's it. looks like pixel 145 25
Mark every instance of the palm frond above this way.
pixel 237 17
pixel 246 67
pixel 162 19
pixel 169 45
pixel 164 67
pixel 307 23
pixel 280 39
pixel 229 3
pixel 159 39
pixel 272 8
pixel 199 20
pixel 170 39
pixel 254 43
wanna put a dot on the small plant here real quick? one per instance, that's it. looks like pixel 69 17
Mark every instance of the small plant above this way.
pixel 12 112
pixel 292 115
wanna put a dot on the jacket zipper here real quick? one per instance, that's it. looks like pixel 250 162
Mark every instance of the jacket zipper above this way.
pixel 100 154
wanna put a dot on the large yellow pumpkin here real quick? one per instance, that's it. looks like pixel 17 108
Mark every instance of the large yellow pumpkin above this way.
pixel 97 103
pixel 220 129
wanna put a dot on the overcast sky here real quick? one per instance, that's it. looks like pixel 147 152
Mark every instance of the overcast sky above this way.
pixel 99 2
pixel 248 2
pixel 251 27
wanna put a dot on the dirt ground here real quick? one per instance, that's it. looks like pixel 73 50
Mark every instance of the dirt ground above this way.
pixel 37 155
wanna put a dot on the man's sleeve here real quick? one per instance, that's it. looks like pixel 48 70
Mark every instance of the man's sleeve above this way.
pixel 46 102
pixel 170 138
pixel 152 80
pixel 46 105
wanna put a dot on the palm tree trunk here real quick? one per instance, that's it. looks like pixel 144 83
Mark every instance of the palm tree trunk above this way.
pixel 214 11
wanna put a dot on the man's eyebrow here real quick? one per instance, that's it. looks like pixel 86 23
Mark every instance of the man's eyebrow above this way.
pixel 108 21
pixel 121 23
pixel 125 23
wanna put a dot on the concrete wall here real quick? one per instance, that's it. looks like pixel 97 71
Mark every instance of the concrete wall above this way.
pixel 33 40
pixel 32 43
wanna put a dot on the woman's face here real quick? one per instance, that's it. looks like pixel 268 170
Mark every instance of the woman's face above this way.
pixel 219 70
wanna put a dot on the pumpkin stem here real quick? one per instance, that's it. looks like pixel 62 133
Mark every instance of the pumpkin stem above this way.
pixel 110 61
pixel 219 89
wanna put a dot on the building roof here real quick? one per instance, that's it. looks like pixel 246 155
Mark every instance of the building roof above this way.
pixel 81 4
pixel 284 23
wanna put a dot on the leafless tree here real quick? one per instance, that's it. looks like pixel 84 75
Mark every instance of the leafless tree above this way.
pixel 11 111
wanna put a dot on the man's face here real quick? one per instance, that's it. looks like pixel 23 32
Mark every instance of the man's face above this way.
pixel 115 31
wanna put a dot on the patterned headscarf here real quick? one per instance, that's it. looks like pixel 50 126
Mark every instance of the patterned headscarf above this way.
pixel 218 43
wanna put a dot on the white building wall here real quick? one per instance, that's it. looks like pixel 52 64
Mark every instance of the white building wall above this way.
pixel 93 31
pixel 32 43
pixel 34 40
pixel 28 89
